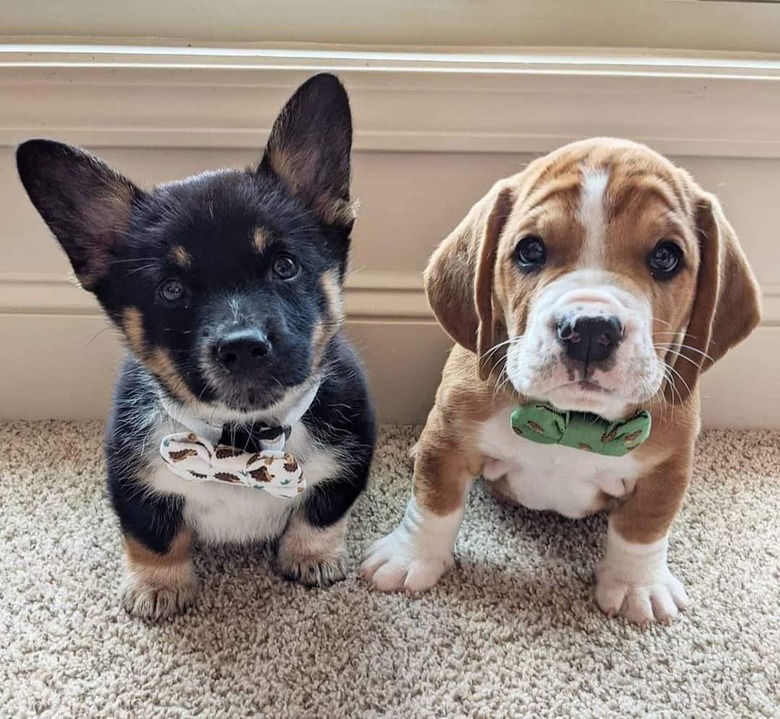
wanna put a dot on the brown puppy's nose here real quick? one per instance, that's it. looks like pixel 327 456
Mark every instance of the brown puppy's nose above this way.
pixel 242 351
pixel 590 339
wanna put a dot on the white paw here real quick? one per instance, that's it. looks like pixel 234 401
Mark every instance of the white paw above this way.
pixel 415 555
pixel 634 581
pixel 395 563
pixel 661 599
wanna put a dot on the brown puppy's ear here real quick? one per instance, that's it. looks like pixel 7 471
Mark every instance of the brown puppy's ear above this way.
pixel 727 305
pixel 460 275
pixel 309 149
pixel 83 201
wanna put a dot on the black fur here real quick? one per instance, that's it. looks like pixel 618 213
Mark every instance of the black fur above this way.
pixel 219 237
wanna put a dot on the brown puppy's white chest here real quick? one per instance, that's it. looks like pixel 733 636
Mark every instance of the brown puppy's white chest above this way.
pixel 550 477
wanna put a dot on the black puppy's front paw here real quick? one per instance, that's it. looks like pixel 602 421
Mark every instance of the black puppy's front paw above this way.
pixel 158 585
pixel 313 556
pixel 155 602
pixel 313 571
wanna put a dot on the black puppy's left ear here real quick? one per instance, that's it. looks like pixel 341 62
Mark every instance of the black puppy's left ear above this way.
pixel 309 149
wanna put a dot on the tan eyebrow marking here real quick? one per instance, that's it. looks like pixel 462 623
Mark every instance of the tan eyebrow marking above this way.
pixel 181 257
pixel 258 240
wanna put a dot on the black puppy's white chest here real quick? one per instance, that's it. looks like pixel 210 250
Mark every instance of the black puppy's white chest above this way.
pixel 219 512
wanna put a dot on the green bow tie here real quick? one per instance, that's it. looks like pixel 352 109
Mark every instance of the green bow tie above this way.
pixel 581 430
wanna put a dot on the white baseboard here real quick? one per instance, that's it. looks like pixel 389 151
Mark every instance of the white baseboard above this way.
pixel 62 367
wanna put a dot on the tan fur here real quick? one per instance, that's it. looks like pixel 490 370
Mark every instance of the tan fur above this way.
pixel 160 363
pixel 158 586
pixel 259 240
pixel 292 166
pixel 316 556
pixel 155 359
pixel 335 211
pixel 332 318
pixel 477 294
pixel 331 288
pixel 181 257
pixel 108 216
pixel 133 327
pixel 446 458
pixel 147 561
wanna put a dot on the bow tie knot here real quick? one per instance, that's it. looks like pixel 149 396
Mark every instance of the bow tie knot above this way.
pixel 581 430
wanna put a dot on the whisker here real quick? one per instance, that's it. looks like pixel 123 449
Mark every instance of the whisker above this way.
pixel 132 260
pixel 688 347
pixel 679 376
pixel 678 354
pixel 511 340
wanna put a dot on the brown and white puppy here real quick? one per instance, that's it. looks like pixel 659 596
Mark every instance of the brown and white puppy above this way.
pixel 600 279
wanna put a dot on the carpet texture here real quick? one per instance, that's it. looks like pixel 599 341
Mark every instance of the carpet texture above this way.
pixel 512 631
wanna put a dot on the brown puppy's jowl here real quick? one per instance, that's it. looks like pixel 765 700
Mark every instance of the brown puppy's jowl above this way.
pixel 601 280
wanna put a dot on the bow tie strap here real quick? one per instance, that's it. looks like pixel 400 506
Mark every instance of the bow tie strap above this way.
pixel 581 430
pixel 255 438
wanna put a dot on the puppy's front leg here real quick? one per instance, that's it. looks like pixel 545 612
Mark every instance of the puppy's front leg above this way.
pixel 633 580
pixel 417 553
pixel 312 549
pixel 159 583
pixel 159 578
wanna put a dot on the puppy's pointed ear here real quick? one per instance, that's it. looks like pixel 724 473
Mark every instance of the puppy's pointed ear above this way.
pixel 309 149
pixel 727 307
pixel 459 278
pixel 83 201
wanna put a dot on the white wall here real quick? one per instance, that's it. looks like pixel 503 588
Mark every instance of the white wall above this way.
pixel 415 183
pixel 681 24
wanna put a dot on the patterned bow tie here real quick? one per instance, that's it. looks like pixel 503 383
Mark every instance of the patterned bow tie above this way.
pixel 581 430
pixel 194 458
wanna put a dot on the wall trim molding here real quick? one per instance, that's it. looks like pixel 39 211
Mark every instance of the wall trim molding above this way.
pixel 370 295
pixel 423 101
pixel 375 295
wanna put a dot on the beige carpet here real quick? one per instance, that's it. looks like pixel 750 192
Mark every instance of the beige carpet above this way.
pixel 514 631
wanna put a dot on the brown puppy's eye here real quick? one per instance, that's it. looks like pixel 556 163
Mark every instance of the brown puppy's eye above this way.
pixel 665 260
pixel 171 290
pixel 285 267
pixel 530 253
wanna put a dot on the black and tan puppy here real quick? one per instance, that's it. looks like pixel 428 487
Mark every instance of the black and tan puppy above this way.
pixel 227 288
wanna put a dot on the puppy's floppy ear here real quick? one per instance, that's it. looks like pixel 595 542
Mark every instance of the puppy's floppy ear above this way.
pixel 727 305
pixel 83 201
pixel 460 275
pixel 309 149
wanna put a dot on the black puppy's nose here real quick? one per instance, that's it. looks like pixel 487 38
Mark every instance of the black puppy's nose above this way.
pixel 243 350
pixel 590 339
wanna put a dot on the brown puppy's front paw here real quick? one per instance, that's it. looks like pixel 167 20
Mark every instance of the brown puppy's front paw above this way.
pixel 313 556
pixel 633 581
pixel 154 602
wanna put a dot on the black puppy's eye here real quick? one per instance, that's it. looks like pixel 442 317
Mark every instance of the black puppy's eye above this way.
pixel 285 267
pixel 665 260
pixel 171 290
pixel 530 253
